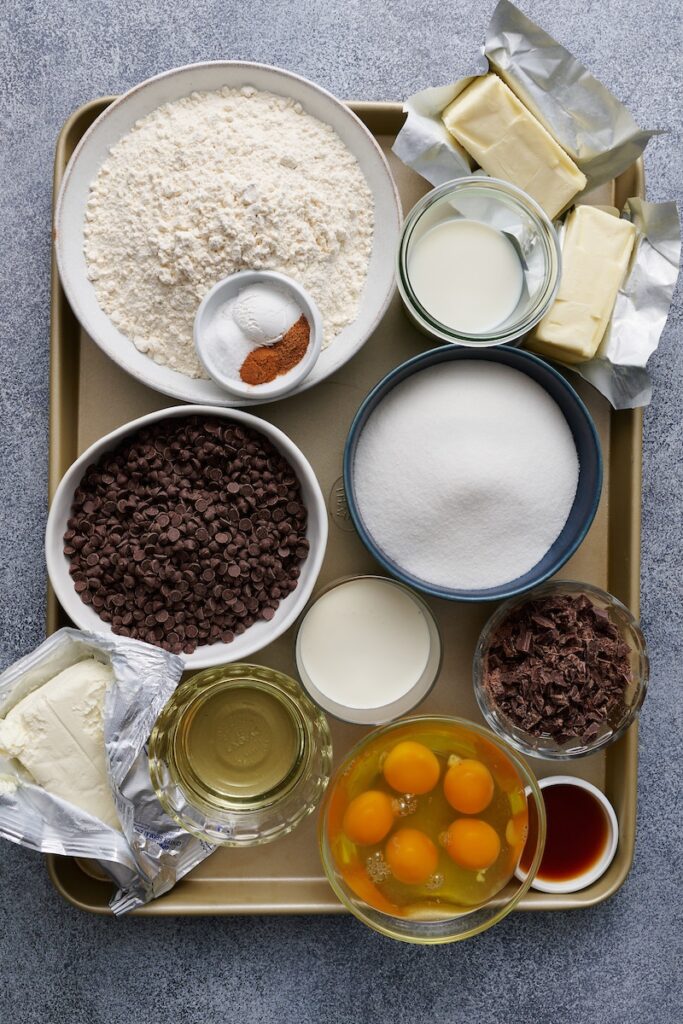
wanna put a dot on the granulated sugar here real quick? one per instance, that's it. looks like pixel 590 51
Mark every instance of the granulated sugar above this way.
pixel 465 474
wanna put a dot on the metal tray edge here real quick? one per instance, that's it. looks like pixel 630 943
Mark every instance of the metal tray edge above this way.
pixel 626 437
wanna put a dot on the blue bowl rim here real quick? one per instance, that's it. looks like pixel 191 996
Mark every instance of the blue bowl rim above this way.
pixel 406 369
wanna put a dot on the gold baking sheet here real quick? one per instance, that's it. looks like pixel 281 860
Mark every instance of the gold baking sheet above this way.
pixel 90 396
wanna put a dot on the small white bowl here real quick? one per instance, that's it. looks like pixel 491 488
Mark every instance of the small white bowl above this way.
pixel 261 633
pixel 228 289
pixel 598 869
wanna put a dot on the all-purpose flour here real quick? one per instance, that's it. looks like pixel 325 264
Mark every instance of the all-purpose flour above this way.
pixel 219 182
pixel 465 474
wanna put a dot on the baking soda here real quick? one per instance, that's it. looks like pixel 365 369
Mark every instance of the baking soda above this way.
pixel 465 474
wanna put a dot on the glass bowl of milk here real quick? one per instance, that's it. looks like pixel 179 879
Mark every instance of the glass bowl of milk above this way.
pixel 479 262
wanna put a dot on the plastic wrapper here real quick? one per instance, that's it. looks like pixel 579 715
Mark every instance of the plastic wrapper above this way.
pixel 150 853
pixel 602 138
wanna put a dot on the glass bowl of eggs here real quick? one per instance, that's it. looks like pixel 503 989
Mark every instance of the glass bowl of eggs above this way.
pixel 423 826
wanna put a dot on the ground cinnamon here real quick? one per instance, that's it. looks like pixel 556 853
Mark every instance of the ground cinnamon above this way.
pixel 270 361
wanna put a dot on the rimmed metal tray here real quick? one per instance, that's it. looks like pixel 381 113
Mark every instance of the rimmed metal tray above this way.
pixel 91 396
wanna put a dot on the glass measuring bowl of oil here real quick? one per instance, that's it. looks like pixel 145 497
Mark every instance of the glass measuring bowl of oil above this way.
pixel 423 826
pixel 240 755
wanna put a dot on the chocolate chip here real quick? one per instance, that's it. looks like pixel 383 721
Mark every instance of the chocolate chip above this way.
pixel 155 533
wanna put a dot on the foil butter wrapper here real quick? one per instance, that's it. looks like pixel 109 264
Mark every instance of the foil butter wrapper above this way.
pixel 151 852
pixel 641 308
pixel 590 124
pixel 600 135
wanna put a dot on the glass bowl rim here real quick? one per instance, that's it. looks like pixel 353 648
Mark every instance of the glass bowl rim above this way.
pixel 318 735
pixel 546 231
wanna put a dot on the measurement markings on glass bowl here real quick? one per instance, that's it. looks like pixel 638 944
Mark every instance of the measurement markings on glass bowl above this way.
pixel 338 506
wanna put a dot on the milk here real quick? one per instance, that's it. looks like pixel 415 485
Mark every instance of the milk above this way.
pixel 467 275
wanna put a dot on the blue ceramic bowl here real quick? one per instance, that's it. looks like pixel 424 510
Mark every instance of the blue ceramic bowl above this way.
pixel 587 446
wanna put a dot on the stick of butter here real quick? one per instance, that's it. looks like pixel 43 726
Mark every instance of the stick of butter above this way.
pixel 595 254
pixel 510 143
pixel 56 733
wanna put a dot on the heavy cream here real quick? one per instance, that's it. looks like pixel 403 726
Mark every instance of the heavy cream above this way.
pixel 467 275
pixel 365 645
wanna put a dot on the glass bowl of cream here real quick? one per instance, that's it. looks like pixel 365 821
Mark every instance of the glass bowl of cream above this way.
pixel 368 650
pixel 479 262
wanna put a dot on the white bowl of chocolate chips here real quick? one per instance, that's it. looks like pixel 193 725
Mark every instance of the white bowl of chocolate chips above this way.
pixel 198 529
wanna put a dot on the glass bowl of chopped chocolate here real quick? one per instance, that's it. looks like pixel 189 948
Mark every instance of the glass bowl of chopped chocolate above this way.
pixel 562 671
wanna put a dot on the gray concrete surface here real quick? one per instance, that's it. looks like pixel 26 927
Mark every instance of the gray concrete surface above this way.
pixel 611 964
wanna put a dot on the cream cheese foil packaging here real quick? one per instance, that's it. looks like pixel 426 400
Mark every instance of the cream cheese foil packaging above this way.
pixel 149 853
pixel 601 137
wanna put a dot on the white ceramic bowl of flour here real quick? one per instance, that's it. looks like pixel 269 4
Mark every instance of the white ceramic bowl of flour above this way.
pixel 118 120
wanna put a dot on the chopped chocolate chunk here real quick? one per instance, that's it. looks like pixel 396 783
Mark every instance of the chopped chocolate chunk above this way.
pixel 558 666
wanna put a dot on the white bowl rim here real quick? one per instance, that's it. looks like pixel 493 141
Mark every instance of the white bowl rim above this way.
pixel 202 656
pixel 280 385
pixel 587 877
pixel 147 375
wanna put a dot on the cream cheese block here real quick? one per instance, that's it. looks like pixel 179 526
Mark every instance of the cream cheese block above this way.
pixel 596 250
pixel 57 735
pixel 510 143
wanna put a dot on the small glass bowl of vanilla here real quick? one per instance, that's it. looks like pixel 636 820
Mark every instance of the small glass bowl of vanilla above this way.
pixel 479 262
pixel 240 755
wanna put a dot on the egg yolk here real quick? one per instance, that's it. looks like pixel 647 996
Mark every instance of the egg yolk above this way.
pixel 468 786
pixel 411 768
pixel 411 856
pixel 369 817
pixel 472 843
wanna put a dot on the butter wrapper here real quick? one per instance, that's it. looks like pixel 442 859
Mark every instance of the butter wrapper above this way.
pixel 641 308
pixel 582 115
pixel 150 853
